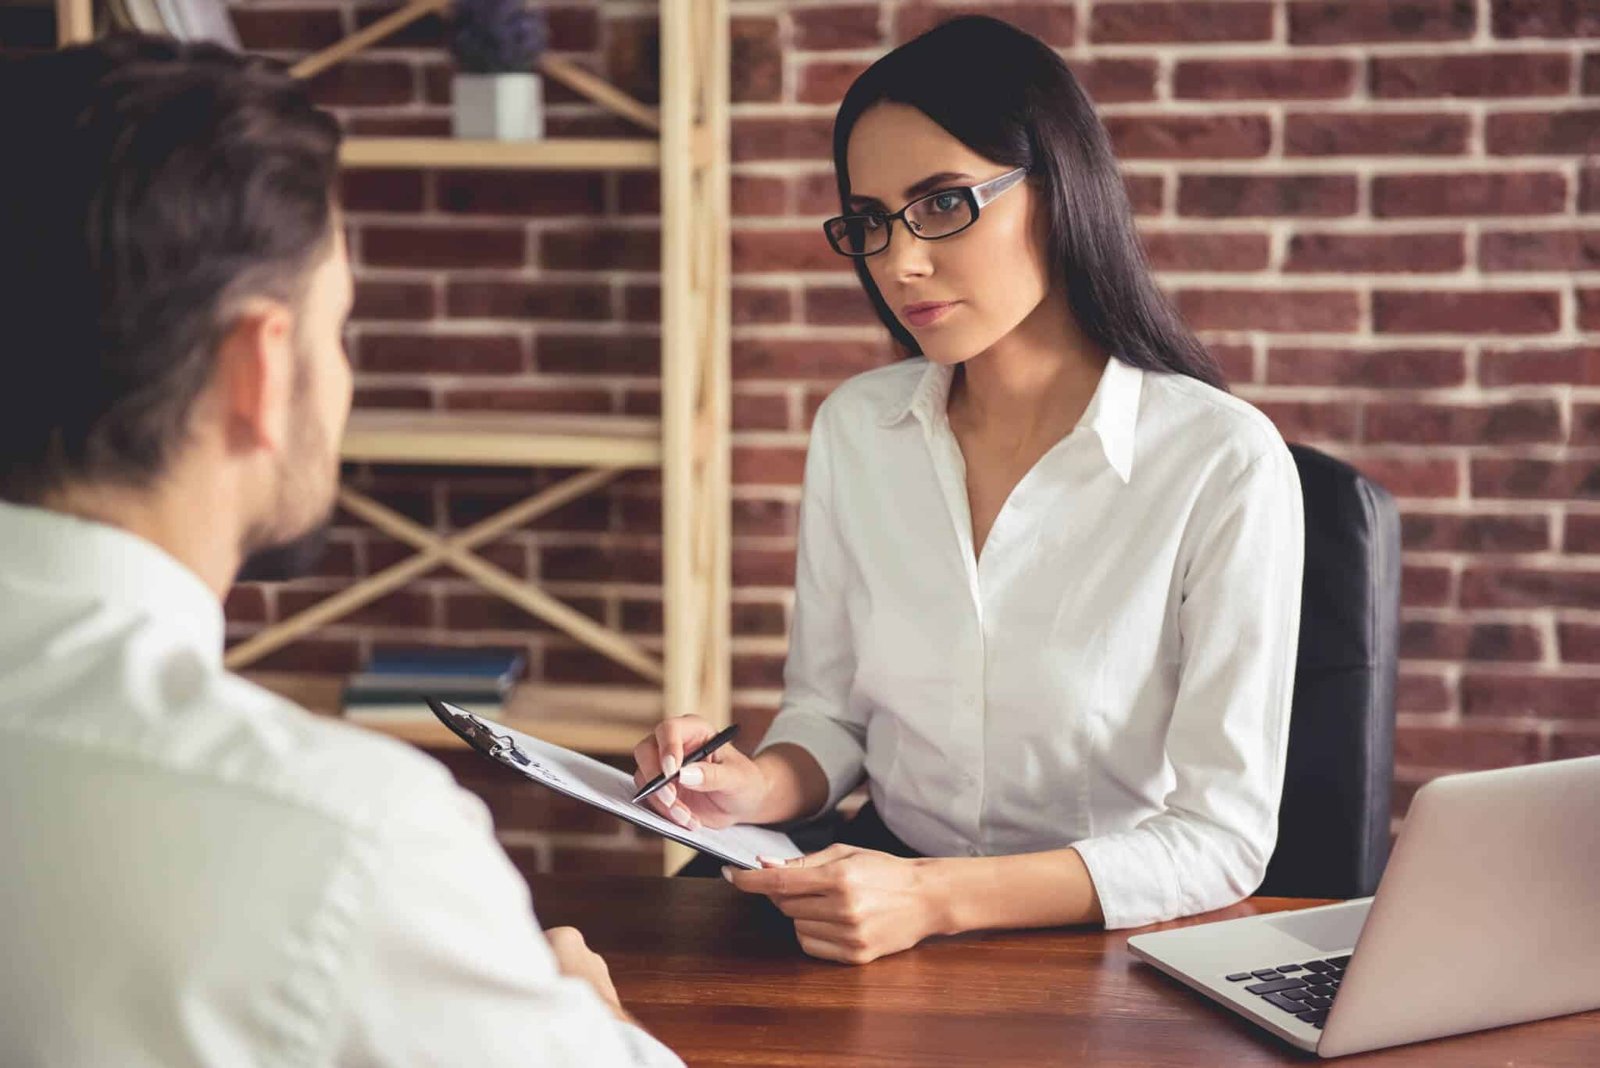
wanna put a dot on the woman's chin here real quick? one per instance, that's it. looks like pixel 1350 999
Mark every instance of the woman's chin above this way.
pixel 948 355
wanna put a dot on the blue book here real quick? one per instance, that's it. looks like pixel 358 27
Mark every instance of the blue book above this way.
pixel 501 665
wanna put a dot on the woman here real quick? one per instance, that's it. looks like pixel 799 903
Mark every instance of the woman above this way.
pixel 1048 588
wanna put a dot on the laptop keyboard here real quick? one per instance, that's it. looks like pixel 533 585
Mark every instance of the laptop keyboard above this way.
pixel 1305 991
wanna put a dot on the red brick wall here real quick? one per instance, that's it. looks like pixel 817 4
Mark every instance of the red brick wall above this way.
pixel 1382 215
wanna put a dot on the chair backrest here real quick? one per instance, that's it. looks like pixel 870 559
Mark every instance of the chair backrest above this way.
pixel 1333 825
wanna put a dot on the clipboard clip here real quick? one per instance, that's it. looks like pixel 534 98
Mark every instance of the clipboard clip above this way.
pixel 485 740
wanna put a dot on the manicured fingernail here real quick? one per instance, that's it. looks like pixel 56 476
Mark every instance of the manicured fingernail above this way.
pixel 691 776
pixel 727 873
pixel 772 861
pixel 669 765
pixel 668 795
pixel 681 814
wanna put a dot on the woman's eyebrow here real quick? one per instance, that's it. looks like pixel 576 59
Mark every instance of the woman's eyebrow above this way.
pixel 914 190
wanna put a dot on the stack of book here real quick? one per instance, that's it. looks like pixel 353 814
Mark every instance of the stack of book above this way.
pixel 395 684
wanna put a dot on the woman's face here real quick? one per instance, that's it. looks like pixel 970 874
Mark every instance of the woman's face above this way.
pixel 991 276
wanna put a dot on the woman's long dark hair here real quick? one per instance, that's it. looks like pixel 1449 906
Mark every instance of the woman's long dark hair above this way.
pixel 1004 94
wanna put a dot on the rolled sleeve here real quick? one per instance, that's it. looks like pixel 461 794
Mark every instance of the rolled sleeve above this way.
pixel 1228 734
pixel 816 713
pixel 836 748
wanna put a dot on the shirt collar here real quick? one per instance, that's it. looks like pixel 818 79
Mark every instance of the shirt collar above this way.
pixel 82 560
pixel 1113 411
pixel 927 401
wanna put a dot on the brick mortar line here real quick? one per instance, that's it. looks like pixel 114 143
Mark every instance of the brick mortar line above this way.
pixel 1168 53
pixel 1489 669
pixel 1373 106
pixel 1367 166
pixel 1186 106
pixel 814 332
pixel 1549 222
pixel 1549 561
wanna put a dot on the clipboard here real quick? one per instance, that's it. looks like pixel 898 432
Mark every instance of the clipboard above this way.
pixel 604 787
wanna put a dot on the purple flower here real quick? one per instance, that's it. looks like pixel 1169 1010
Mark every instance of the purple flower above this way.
pixel 497 36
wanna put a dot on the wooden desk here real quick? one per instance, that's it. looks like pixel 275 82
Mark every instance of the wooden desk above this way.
pixel 718 977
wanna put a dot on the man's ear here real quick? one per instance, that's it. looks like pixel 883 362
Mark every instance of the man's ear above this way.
pixel 255 376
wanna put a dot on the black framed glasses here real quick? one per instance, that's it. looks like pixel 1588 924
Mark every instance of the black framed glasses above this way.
pixel 938 215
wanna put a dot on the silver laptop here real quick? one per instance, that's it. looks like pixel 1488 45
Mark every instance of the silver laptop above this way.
pixel 1488 914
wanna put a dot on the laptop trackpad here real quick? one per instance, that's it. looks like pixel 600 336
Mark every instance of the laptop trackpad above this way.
pixel 1326 929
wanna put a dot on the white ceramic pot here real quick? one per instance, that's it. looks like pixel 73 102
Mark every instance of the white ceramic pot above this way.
pixel 499 107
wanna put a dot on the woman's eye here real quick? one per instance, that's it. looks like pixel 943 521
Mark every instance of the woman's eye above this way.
pixel 946 202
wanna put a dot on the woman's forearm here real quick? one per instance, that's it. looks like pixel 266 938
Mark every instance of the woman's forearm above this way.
pixel 1051 889
pixel 796 785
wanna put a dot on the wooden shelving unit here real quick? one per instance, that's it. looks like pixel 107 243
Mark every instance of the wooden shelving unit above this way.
pixel 687 144
pixel 494 439
pixel 592 719
pixel 440 152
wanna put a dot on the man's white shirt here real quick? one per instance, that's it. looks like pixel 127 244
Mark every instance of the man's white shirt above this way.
pixel 200 873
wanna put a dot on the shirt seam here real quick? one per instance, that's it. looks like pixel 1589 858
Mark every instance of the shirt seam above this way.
pixel 1228 497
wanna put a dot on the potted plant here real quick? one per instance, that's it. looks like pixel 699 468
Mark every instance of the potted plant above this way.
pixel 496 44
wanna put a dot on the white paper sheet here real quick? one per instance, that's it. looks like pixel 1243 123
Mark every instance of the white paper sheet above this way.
pixel 605 787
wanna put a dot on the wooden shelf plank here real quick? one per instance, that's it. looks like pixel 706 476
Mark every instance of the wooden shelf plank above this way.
pixel 571 153
pixel 599 738
pixel 502 440
pixel 608 720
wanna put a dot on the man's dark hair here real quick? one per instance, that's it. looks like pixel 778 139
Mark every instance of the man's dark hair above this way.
pixel 151 187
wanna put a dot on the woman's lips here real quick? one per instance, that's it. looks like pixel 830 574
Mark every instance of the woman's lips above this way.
pixel 927 314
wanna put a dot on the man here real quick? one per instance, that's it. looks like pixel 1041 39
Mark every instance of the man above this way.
pixel 196 871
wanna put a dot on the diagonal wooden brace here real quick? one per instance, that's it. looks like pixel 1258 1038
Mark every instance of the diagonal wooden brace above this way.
pixel 456 551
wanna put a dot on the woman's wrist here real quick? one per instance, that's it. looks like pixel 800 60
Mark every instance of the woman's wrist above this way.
pixel 780 799
pixel 792 784
pixel 1021 890
pixel 765 787
pixel 937 879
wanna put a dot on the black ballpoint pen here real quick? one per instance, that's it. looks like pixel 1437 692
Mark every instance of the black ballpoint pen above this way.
pixel 715 742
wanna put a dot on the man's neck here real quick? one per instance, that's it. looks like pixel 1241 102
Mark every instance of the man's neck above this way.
pixel 168 518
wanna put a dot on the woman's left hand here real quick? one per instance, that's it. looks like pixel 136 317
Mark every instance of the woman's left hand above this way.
pixel 848 904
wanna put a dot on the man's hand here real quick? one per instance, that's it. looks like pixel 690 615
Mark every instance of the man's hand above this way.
pixel 576 960
pixel 848 904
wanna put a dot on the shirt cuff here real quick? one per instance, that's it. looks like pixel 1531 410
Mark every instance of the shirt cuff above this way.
pixel 1133 877
pixel 834 748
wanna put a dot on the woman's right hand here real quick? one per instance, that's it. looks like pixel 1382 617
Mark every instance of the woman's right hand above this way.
pixel 720 790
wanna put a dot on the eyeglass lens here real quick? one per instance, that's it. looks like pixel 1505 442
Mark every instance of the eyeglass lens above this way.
pixel 938 215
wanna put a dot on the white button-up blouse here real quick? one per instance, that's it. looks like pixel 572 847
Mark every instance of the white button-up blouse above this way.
pixel 1112 673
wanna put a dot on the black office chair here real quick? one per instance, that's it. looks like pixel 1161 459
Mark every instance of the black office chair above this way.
pixel 1333 825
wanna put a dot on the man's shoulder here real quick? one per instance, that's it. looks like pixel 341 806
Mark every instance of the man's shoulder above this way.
pixel 353 776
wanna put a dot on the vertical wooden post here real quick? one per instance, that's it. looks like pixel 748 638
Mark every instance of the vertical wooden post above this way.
pixel 74 22
pixel 677 337
pixel 716 212
pixel 694 336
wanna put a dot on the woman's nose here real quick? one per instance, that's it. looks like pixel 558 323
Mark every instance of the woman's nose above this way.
pixel 907 255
